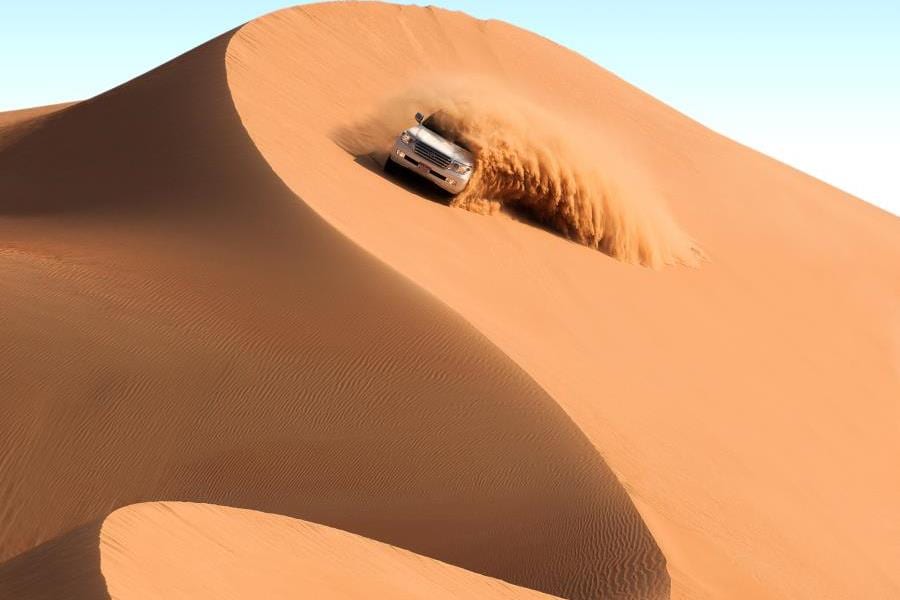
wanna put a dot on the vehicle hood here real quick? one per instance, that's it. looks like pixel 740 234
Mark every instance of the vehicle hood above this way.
pixel 439 143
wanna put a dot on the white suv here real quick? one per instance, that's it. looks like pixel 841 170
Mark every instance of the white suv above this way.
pixel 425 150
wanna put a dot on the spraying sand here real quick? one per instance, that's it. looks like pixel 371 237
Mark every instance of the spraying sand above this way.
pixel 558 171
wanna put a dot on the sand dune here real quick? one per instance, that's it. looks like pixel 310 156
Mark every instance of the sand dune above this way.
pixel 206 297
pixel 181 327
pixel 15 124
pixel 745 404
pixel 181 550
pixel 25 115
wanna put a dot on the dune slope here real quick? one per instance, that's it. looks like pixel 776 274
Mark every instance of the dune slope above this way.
pixel 183 550
pixel 15 124
pixel 178 325
pixel 749 405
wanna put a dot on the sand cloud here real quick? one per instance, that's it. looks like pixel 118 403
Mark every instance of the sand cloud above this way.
pixel 563 173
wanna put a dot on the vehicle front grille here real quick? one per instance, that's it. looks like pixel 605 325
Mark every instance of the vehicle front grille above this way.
pixel 411 160
pixel 435 156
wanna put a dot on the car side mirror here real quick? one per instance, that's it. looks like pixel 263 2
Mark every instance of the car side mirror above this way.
pixel 419 117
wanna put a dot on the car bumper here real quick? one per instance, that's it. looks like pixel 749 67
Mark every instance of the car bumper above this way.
pixel 446 179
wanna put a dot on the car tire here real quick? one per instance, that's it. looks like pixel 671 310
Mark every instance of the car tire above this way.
pixel 391 168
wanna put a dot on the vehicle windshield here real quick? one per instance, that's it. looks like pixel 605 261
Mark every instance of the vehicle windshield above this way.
pixel 433 122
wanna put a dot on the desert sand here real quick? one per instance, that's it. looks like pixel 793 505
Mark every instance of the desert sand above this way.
pixel 211 294
pixel 188 550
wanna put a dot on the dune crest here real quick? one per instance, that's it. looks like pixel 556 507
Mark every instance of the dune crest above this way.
pixel 187 551
pixel 562 172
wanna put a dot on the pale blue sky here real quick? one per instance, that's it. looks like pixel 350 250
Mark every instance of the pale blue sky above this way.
pixel 813 83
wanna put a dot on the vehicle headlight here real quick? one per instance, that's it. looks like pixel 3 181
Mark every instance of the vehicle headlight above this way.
pixel 460 168
pixel 407 138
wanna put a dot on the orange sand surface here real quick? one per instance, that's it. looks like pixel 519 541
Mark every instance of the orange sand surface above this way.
pixel 183 550
pixel 210 292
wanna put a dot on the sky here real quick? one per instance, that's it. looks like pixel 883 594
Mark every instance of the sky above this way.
pixel 814 83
